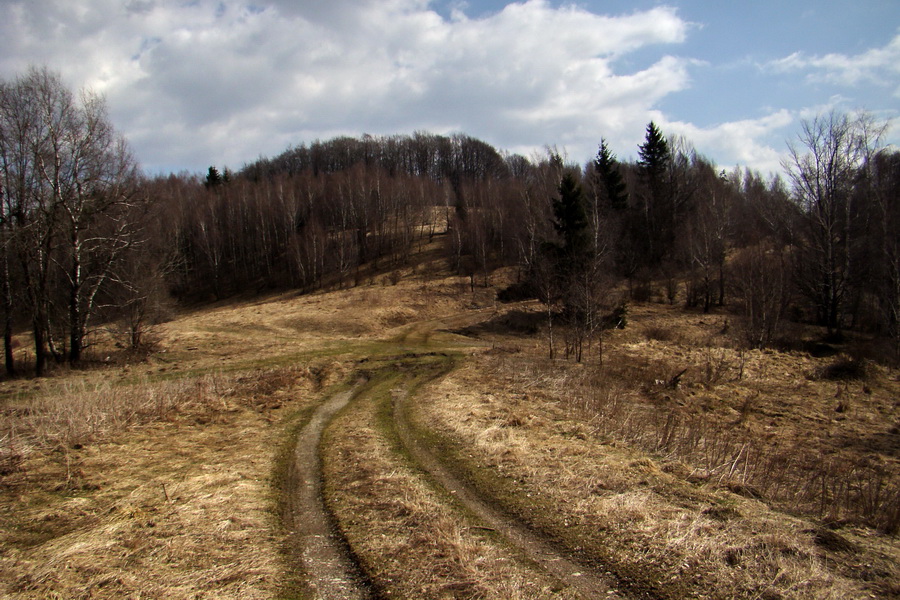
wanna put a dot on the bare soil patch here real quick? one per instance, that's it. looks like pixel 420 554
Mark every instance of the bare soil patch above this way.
pixel 330 571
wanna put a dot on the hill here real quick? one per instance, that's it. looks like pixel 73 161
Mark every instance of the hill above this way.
pixel 674 464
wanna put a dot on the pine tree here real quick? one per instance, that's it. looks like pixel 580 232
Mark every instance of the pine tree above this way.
pixel 657 204
pixel 607 168
pixel 571 222
pixel 654 152
pixel 213 178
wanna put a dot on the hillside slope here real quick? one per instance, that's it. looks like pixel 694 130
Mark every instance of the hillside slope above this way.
pixel 681 467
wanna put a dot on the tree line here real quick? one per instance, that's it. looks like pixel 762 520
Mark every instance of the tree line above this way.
pixel 70 212
pixel 88 241
pixel 820 247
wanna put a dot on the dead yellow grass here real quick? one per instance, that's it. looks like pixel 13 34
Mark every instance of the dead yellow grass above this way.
pixel 412 543
pixel 289 323
pixel 824 447
pixel 155 482
pixel 152 479
pixel 177 506
pixel 658 531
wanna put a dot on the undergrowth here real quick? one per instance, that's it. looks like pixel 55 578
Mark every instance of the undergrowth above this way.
pixel 646 517
pixel 834 488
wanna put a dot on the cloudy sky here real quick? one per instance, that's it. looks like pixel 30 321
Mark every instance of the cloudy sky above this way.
pixel 195 83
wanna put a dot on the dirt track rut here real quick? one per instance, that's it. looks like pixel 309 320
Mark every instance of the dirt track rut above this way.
pixel 590 583
pixel 331 572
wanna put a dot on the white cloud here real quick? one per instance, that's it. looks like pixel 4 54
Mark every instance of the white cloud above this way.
pixel 194 83
pixel 755 143
pixel 880 66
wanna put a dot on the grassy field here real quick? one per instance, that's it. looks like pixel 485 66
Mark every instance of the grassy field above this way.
pixel 682 465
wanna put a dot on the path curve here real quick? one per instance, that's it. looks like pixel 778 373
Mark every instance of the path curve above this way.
pixel 588 582
pixel 330 570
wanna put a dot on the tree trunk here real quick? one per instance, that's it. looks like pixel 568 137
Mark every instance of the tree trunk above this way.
pixel 8 322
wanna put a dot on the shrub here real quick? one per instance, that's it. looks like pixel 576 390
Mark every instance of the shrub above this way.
pixel 618 318
pixel 844 369
pixel 524 290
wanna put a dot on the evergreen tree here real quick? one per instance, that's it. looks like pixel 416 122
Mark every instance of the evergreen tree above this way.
pixel 213 178
pixel 654 153
pixel 607 168
pixel 657 203
pixel 571 222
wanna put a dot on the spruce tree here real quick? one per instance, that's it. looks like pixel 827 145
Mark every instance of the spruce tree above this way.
pixel 656 199
pixel 213 178
pixel 571 221
pixel 607 168
pixel 654 152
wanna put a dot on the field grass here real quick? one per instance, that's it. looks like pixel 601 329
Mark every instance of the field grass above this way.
pixel 687 467
pixel 667 536
pixel 172 506
pixel 409 536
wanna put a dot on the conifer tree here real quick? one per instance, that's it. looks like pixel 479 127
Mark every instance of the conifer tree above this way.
pixel 571 222
pixel 654 152
pixel 657 203
pixel 607 169
pixel 213 178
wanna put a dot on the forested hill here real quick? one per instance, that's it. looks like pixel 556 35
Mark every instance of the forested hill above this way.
pixel 93 242
pixel 453 158
pixel 819 246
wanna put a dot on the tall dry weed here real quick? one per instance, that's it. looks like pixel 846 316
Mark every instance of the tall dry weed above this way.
pixel 783 471
pixel 79 412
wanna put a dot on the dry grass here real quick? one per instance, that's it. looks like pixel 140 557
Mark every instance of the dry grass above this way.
pixel 75 412
pixel 817 436
pixel 153 479
pixel 410 540
pixel 172 510
pixel 658 530
pixel 132 487
pixel 793 427
pixel 724 448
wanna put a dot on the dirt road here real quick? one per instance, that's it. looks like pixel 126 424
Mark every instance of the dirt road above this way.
pixel 327 560
pixel 589 582
pixel 331 572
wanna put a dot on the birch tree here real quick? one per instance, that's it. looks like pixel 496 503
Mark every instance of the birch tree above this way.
pixel 69 189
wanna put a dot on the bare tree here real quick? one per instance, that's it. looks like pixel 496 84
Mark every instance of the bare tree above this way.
pixel 824 168
pixel 762 286
pixel 706 238
pixel 28 207
pixel 69 186
pixel 883 174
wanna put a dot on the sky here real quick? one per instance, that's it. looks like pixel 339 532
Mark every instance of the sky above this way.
pixel 223 82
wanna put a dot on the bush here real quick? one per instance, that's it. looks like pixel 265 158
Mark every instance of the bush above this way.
pixel 659 333
pixel 523 290
pixel 844 369
pixel 618 318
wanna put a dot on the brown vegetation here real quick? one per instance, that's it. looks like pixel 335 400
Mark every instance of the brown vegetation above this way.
pixel 412 541
pixel 172 507
pixel 693 518
pixel 660 463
